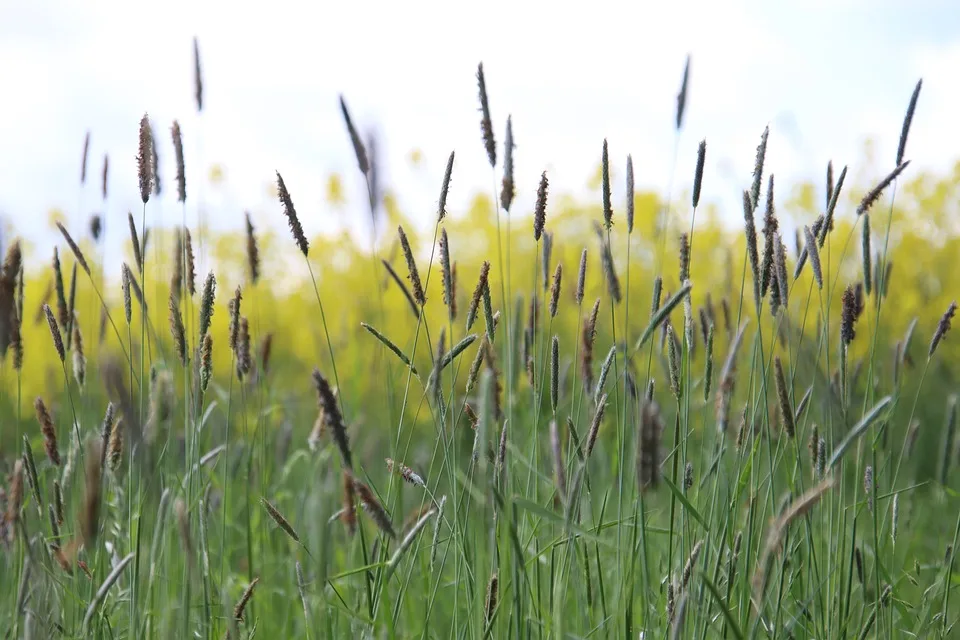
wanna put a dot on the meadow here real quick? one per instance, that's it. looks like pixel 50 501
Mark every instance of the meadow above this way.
pixel 623 418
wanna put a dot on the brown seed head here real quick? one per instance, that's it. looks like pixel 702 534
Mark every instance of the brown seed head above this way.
pixel 540 211
pixel 291 213
pixel 145 159
pixel 49 431
pixel 178 154
pixel 486 124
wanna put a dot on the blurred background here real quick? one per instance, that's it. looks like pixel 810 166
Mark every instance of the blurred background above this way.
pixel 828 77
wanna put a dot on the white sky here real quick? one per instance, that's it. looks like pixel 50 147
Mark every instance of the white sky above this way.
pixel 825 77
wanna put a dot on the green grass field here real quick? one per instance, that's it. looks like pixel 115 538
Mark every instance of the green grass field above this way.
pixel 521 450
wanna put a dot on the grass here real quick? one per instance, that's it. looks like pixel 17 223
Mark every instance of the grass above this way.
pixel 726 475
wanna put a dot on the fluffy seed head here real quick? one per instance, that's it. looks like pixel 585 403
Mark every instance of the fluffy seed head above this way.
pixel 206 362
pixel 115 445
pixel 581 277
pixel 178 154
pixel 48 430
pixel 447 272
pixel 145 159
pixel 191 273
pixel 206 303
pixel 244 360
pixel 758 168
pixel 555 290
pixel 507 190
pixel 244 600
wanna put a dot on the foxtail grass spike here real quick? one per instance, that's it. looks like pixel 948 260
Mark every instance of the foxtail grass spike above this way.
pixel 698 173
pixel 177 136
pixel 49 431
pixel 758 168
pixel 414 274
pixel 55 332
pixel 358 149
pixel 555 290
pixel 75 249
pixel 610 271
pixel 907 121
pixel 486 124
pixel 333 417
pixel 62 311
pixel 477 293
pixel 605 186
pixel 554 374
pixel 135 243
pixel 581 278
pixel 874 194
pixel 385 341
pixel 540 211
pixel 942 328
pixel 373 508
pixel 282 522
pixel 241 606
pixel 814 254
pixel 291 213
pixel 197 76
pixel 445 189
pixel 630 195
pixel 750 230
pixel 448 293
pixel 507 189
pixel 786 412
pixel 650 428
pixel 206 303
pixel 682 95
pixel 145 160
pixel 403 288
pixel 662 313
pixel 253 252
pixel 866 250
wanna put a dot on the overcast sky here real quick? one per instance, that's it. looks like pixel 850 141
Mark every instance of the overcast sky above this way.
pixel 825 78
